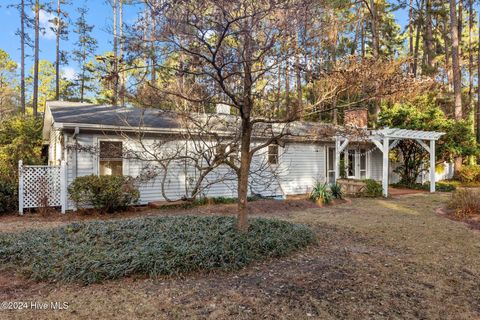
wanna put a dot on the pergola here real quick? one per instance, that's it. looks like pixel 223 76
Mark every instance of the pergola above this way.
pixel 387 138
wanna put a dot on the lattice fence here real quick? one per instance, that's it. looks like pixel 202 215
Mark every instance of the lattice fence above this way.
pixel 42 186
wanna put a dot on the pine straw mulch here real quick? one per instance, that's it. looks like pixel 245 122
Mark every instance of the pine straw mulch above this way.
pixel 15 222
pixel 375 259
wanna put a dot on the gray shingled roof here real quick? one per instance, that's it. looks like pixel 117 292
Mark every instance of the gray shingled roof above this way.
pixel 63 112
pixel 112 116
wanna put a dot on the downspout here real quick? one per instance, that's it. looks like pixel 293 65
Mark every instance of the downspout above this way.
pixel 75 133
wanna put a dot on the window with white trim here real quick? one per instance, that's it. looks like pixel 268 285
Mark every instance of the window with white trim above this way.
pixel 111 158
pixel 273 154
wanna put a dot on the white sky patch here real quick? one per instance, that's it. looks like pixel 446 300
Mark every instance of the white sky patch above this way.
pixel 46 24
pixel 69 73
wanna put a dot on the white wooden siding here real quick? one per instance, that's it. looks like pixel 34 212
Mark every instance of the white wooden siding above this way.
pixel 302 165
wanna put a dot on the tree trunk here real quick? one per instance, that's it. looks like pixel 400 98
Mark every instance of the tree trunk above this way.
pixel 457 78
pixel 447 55
pixel 410 35
pixel 374 26
pixel 57 54
pixel 298 76
pixel 417 43
pixel 153 60
pixel 22 56
pixel 478 94
pixel 122 71
pixel 242 222
pixel 35 65
pixel 115 57
pixel 470 54
pixel 429 36
pixel 246 134
pixel 287 88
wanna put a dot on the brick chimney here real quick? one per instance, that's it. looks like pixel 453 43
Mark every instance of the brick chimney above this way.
pixel 357 117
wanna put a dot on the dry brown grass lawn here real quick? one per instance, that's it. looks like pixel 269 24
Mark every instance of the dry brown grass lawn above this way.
pixel 375 259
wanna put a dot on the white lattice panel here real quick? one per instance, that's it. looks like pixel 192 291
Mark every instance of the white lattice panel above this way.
pixel 41 184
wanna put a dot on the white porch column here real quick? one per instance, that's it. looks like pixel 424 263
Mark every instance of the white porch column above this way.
pixel 337 158
pixel 386 148
pixel 432 166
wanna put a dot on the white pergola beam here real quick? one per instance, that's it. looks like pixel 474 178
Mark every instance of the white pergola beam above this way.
pixel 423 144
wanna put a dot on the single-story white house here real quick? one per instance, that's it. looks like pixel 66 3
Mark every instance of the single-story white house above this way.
pixel 299 163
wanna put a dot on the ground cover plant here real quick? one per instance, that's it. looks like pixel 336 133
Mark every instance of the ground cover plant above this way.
pixel 96 251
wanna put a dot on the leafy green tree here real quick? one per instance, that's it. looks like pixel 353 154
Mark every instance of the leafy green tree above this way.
pixel 8 69
pixel 46 85
pixel 20 139
pixel 424 114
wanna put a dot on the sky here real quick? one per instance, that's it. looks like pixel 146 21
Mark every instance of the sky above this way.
pixel 99 15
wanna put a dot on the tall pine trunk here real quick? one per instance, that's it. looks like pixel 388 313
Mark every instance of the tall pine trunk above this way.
pixel 22 56
pixel 122 71
pixel 115 56
pixel 478 93
pixel 374 26
pixel 429 35
pixel 457 77
pixel 470 54
pixel 35 63
pixel 410 35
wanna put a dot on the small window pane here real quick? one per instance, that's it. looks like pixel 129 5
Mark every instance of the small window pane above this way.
pixel 111 168
pixel 111 161
pixel 110 149
pixel 331 159
pixel 273 154
pixel 351 164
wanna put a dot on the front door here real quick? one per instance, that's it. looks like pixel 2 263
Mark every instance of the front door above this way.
pixel 356 163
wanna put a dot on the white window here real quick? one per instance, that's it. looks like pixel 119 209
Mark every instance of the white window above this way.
pixel 111 158
pixel 331 165
pixel 351 164
pixel 273 154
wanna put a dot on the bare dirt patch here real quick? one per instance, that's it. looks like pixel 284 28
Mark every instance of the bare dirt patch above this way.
pixel 375 259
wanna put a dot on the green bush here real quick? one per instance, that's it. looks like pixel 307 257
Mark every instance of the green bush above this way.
pixel 90 252
pixel 105 193
pixel 372 189
pixel 336 190
pixel 321 193
pixel 468 174
pixel 8 196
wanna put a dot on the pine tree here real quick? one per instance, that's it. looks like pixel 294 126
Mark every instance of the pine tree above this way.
pixel 86 46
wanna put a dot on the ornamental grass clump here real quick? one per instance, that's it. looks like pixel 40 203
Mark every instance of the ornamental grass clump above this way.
pixel 91 252
pixel 465 202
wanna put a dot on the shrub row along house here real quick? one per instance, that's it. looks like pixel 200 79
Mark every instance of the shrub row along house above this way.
pixel 177 157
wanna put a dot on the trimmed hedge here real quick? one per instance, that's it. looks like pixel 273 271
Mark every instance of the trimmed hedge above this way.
pixel 104 193
pixel 91 252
